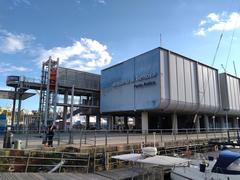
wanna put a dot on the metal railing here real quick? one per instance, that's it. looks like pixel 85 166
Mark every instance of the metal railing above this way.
pixel 80 138
pixel 43 161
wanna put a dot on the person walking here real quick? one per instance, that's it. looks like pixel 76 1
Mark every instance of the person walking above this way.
pixel 50 135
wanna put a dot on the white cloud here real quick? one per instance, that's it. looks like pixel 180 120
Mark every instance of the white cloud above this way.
pixel 213 17
pixel 6 67
pixel 102 1
pixel 218 22
pixel 202 22
pixel 200 32
pixel 85 54
pixel 12 43
pixel 19 2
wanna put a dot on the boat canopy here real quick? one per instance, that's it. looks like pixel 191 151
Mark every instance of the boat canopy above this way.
pixel 228 162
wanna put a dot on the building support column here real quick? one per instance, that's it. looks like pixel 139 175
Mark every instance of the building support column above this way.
pixel 126 122
pixel 87 122
pixel 144 122
pixel 13 108
pixel 206 123
pixel 98 121
pixel 222 123
pixel 65 108
pixel 19 110
pixel 114 122
pixel 236 123
pixel 174 123
pixel 197 124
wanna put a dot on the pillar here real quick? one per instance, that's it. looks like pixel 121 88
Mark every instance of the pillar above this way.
pixel 13 108
pixel 87 122
pixel 114 122
pixel 206 123
pixel 197 124
pixel 236 123
pixel 144 122
pixel 98 122
pixel 174 123
pixel 126 122
pixel 222 122
pixel 65 101
pixel 19 110
pixel 214 122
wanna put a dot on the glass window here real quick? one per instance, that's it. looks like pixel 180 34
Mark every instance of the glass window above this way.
pixel 234 166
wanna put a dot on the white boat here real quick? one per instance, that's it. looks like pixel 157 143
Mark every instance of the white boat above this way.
pixel 226 167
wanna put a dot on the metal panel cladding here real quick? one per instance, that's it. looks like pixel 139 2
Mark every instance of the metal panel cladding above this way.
pixel 208 89
pixel 230 90
pixel 132 85
pixel 84 80
pixel 178 83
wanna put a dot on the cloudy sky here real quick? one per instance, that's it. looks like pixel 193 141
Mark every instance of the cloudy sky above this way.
pixel 91 35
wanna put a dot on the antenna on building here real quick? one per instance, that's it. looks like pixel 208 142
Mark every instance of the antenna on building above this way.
pixel 235 68
pixel 160 38
pixel 224 69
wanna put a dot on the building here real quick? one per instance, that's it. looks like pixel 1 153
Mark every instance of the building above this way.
pixel 163 89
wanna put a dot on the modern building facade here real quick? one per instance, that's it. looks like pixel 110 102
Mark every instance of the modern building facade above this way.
pixel 163 89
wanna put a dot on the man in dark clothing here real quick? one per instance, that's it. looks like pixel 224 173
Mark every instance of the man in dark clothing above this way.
pixel 50 134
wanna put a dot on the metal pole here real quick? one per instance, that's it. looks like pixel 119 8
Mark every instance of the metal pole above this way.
pixel 55 95
pixel 227 119
pixel 47 95
pixel 19 109
pixel 71 116
pixel 13 109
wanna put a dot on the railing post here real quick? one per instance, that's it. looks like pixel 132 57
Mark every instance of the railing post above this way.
pixel 26 144
pixel 197 135
pixel 161 136
pixel 106 138
pixel 127 136
pixel 58 138
pixel 206 134
pixel 85 137
pixel 80 144
pixel 95 138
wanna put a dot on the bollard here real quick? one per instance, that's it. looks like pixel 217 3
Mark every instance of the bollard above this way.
pixel 127 137
pixel 187 133
pixel 7 142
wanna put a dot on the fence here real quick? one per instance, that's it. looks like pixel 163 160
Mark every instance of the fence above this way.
pixel 43 161
pixel 91 138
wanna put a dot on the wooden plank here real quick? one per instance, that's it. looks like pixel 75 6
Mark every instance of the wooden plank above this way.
pixel 52 176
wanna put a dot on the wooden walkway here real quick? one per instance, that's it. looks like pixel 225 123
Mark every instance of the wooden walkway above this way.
pixel 52 176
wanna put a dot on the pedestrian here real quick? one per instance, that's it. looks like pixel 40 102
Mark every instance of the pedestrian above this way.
pixel 50 135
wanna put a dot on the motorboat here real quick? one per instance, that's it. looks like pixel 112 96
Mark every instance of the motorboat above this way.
pixel 227 166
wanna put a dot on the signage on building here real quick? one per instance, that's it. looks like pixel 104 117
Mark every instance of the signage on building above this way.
pixel 137 79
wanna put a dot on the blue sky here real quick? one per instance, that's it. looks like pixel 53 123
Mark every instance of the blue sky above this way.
pixel 94 34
